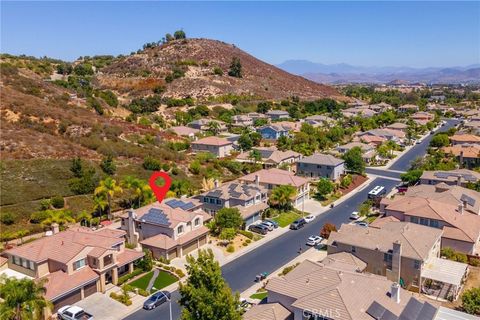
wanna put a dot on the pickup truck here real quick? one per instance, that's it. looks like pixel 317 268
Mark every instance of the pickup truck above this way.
pixel 73 313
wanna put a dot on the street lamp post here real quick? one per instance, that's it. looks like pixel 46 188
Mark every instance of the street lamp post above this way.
pixel 169 303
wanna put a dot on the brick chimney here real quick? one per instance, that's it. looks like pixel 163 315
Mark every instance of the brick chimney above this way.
pixel 460 208
pixel 132 234
pixel 215 183
pixel 257 180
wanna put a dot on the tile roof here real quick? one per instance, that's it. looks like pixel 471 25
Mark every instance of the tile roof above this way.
pixel 212 141
pixel 60 283
pixel 163 214
pixel 184 131
pixel 271 154
pixel 247 212
pixel 277 112
pixel 313 286
pixel 235 190
pixel 275 176
pixel 63 246
pixel 165 242
pixel 268 311
pixel 465 138
pixel 322 159
pixel 469 151
pixel 127 256
pixel 417 240
pixel 344 261
pixel 465 175
pixel 351 145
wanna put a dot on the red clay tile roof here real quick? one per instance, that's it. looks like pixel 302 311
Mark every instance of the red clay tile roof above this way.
pixel 275 176
pixel 163 241
pixel 128 256
pixel 212 141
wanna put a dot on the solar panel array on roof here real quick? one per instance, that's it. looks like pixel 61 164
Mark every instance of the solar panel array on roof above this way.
pixel 155 215
pixel 379 312
pixel 416 310
pixel 443 175
pixel 469 200
pixel 174 203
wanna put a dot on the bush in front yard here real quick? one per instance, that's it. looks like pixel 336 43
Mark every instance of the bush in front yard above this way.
pixel 125 278
pixel 180 273
pixel 230 248
pixel 246 233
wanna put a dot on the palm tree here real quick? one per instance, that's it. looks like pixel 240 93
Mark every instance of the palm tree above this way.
pixel 143 192
pixel 282 196
pixel 22 298
pixel 99 203
pixel 108 187
pixel 146 194
pixel 60 217
pixel 214 127
pixel 84 217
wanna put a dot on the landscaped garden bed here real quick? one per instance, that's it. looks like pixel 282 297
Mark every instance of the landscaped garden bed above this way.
pixel 285 218
pixel 163 280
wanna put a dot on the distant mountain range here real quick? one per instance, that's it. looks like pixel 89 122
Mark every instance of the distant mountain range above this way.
pixel 346 73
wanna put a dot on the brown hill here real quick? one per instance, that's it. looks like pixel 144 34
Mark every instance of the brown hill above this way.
pixel 196 59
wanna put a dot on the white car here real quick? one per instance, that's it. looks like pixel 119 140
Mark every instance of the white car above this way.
pixel 314 240
pixel 309 218
pixel 73 313
pixel 354 215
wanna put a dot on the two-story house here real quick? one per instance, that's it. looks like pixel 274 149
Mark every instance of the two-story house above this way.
pixel 207 124
pixel 277 114
pixel 393 249
pixel 270 157
pixel 220 147
pixel 168 230
pixel 76 263
pixel 321 166
pixel 459 177
pixel 460 139
pixel 273 177
pixel 242 120
pixel 273 131
pixel 368 151
pixel 250 199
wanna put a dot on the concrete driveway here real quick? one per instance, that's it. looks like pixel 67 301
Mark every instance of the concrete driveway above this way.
pixel 313 207
pixel 101 306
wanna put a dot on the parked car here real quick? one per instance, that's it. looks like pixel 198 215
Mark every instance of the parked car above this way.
pixel 361 223
pixel 73 313
pixel 297 224
pixel 376 192
pixel 314 240
pixel 258 228
pixel 354 215
pixel 267 224
pixel 402 187
pixel 244 304
pixel 275 223
pixel 309 218
pixel 156 299
pixel 418 142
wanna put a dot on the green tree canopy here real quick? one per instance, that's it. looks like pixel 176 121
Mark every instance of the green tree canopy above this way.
pixel 471 301
pixel 179 34
pixel 411 176
pixel 354 161
pixel 282 197
pixel 108 165
pixel 235 68
pixel 228 218
pixel 22 298
pixel 440 140
pixel 324 187
pixel 205 295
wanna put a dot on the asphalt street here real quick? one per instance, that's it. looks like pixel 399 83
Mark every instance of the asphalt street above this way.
pixel 240 273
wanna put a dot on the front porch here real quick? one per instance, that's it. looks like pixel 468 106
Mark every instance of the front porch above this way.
pixel 442 279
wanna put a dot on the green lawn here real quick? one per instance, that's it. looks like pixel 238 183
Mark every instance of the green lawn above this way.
pixel 286 218
pixel 164 279
pixel 259 295
pixel 142 282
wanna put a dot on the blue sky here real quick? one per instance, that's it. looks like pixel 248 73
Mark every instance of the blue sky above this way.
pixel 417 34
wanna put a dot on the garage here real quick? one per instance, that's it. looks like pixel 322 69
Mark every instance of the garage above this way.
pixel 67 299
pixel 203 240
pixel 189 247
pixel 90 289
pixel 172 254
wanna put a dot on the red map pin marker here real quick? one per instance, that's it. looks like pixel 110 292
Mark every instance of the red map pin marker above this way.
pixel 160 192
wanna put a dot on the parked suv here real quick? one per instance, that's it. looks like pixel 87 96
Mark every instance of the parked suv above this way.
pixel 258 228
pixel 297 224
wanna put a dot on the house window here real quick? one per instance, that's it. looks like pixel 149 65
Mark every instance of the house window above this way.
pixel 32 265
pixel 180 229
pixel 354 249
pixel 424 221
pixel 434 223
pixel 387 257
pixel 219 201
pixel 212 200
pixel 205 199
pixel 414 220
pixel 197 222
pixel 16 260
pixel 25 263
pixel 416 264
pixel 79 264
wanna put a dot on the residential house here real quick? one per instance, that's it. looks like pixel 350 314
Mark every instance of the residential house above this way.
pixel 250 199
pixel 388 134
pixel 76 263
pixel 242 120
pixel 459 139
pixel 394 249
pixel 168 230
pixel 362 111
pixel 317 290
pixel 321 166
pixel 270 157
pixel 372 140
pixel 468 155
pixel 184 131
pixel 205 124
pixel 451 208
pixel 422 118
pixel 277 114
pixel 255 115
pixel 380 107
pixel 472 126
pixel 220 147
pixel 398 126
pixel 319 120
pixel 459 177
pixel 368 151
pixel 275 130
pixel 408 108
pixel 271 178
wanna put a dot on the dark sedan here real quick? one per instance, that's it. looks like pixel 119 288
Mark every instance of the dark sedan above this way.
pixel 156 299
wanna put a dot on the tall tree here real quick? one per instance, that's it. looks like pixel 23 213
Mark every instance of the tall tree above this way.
pixel 109 188
pixel 22 299
pixel 228 218
pixel 108 165
pixel 205 295
pixel 235 68
pixel 324 187
pixel 214 127
pixel 354 160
